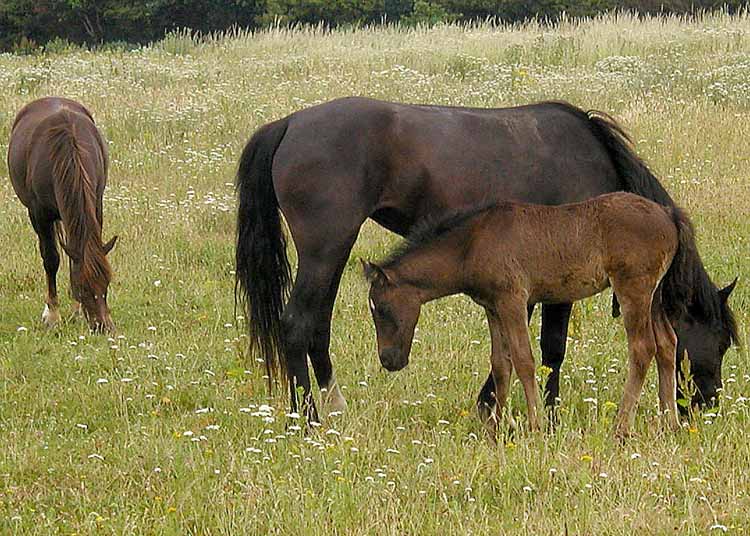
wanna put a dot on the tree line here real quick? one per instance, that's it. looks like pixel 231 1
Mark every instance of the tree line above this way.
pixel 30 24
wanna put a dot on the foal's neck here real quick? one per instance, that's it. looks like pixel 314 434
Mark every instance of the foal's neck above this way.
pixel 434 271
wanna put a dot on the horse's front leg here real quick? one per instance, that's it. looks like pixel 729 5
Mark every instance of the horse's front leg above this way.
pixel 555 319
pixel 45 230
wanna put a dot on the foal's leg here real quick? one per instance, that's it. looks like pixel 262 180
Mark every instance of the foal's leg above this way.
pixel 486 398
pixel 515 330
pixel 666 346
pixel 635 301
pixel 45 230
pixel 491 413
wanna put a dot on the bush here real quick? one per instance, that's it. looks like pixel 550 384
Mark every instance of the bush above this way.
pixel 429 14
pixel 26 23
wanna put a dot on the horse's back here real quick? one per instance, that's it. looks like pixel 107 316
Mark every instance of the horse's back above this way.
pixel 402 162
pixel 30 152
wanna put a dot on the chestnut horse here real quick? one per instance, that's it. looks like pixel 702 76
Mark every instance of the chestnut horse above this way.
pixel 509 255
pixel 330 167
pixel 58 166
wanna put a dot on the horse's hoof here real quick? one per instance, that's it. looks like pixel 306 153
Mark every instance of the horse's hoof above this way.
pixel 332 400
pixel 50 317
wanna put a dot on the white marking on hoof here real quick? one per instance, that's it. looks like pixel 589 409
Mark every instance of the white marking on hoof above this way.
pixel 333 400
pixel 50 317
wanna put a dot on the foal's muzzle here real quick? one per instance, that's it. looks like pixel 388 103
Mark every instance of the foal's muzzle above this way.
pixel 392 360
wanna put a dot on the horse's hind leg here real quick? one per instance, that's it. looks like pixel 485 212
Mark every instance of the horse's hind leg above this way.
pixel 635 301
pixel 666 349
pixel 331 397
pixel 308 308
pixel 45 230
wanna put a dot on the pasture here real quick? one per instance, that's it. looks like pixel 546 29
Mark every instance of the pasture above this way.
pixel 167 427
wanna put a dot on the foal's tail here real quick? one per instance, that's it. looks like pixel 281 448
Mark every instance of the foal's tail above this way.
pixel 686 282
pixel 263 274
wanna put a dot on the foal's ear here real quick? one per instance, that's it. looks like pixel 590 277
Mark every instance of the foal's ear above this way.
pixel 373 272
pixel 109 245
pixel 726 291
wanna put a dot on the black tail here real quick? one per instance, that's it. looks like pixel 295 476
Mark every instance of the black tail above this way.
pixel 686 287
pixel 633 171
pixel 263 274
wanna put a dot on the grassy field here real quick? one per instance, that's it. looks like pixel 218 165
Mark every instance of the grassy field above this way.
pixel 167 428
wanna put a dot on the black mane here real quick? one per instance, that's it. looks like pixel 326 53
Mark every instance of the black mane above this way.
pixel 428 229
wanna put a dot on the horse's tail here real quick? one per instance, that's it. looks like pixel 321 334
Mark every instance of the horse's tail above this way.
pixel 263 274
pixel 632 171
pixel 686 283
pixel 76 197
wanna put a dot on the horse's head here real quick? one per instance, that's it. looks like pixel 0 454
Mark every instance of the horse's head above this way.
pixel 706 341
pixel 90 284
pixel 395 311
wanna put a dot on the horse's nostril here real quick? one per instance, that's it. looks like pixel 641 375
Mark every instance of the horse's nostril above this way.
pixel 391 359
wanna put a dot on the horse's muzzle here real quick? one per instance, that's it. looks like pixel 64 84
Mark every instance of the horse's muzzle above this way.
pixel 392 360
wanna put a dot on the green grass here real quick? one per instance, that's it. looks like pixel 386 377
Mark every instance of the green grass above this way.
pixel 160 429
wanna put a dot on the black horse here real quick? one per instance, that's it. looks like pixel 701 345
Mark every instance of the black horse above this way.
pixel 330 167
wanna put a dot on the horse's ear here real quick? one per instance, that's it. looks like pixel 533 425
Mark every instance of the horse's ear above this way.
pixel 109 245
pixel 726 291
pixel 72 254
pixel 373 272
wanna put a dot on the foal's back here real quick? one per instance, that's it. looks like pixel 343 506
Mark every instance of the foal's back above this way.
pixel 568 252
pixel 29 153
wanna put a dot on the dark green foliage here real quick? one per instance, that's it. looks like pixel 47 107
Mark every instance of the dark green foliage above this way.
pixel 25 25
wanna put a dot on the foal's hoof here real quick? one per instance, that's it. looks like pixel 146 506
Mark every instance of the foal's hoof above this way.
pixel 50 317
pixel 488 417
pixel 622 435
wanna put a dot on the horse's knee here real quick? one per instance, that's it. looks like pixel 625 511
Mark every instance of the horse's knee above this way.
pixel 296 328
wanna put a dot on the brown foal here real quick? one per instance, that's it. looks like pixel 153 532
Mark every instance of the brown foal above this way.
pixel 510 255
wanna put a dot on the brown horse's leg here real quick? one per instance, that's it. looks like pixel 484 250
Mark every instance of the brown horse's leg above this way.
pixel 515 330
pixel 502 368
pixel 635 300
pixel 45 230
pixel 666 350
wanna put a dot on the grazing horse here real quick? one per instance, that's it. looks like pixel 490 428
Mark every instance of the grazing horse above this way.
pixel 58 166
pixel 509 255
pixel 330 167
